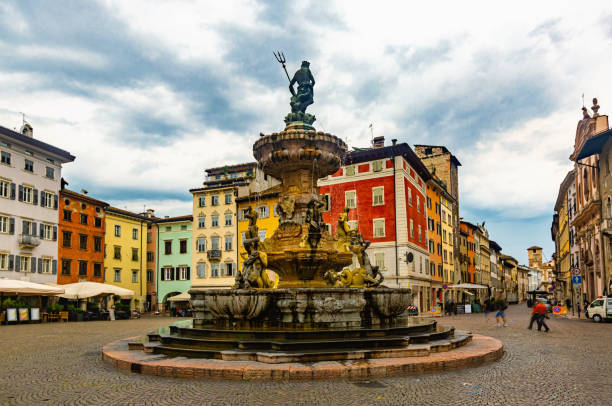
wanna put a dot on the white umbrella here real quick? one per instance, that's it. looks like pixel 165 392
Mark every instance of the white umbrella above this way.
pixel 468 286
pixel 183 297
pixel 83 290
pixel 24 288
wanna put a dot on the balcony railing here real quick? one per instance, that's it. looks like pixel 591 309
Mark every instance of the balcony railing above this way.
pixel 29 240
pixel 214 254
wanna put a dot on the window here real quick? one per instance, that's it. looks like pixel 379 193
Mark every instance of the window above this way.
pixel 117 231
pixel 117 252
pixel 183 273
pixel 6 158
pixel 215 200
pixel 438 229
pixel 350 200
pixel 97 270
pixel 379 228
pixel 201 270
pixel 97 244
pixel 4 261
pixel 262 235
pixel 326 201
pixel 82 268
pixel 201 222
pixel 201 242
pixel 4 188
pixel 411 229
pixel 409 197
pixel 444 235
pixel 168 247
pixel 214 270
pixel 66 239
pixel 50 173
pixel 25 263
pixel 438 208
pixel 169 228
pixel 228 198
pixel 117 275
pixel 419 231
pixel 134 254
pixel 48 200
pixel 443 216
pixel 150 256
pixel 167 274
pixel 214 242
pixel 233 175
pixel 4 224
pixel 379 260
pixel 149 236
pixel 149 275
pixel 353 224
pixel 66 267
pixel 214 221
pixel 83 241
pixel 134 233
pixel 350 170
pixel 83 218
pixel 377 166
pixel 67 215
pixel 228 242
pixel 134 276
pixel 378 196
pixel 229 269
pixel 228 219
pixel 450 238
pixel 431 246
pixel 264 211
pixel 418 204
pixel 28 194
pixel 29 166
pixel 201 201
pixel 46 265
pixel 182 246
pixel 429 205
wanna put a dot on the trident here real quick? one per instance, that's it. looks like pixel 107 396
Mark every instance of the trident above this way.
pixel 280 57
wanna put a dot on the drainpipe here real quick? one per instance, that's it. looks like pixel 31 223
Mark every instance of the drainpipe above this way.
pixel 394 141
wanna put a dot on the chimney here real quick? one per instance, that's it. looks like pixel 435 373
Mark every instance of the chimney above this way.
pixel 27 130
pixel 378 142
pixel 150 213
pixel 394 141
pixel 83 191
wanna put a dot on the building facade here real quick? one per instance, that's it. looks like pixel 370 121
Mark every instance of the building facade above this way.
pixel 125 262
pixel 434 234
pixel 384 188
pixel 561 237
pixel 174 249
pixel 468 231
pixel 82 228
pixel 151 264
pixel 30 183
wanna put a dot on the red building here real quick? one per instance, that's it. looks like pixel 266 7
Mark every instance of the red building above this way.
pixel 81 238
pixel 385 188
pixel 467 261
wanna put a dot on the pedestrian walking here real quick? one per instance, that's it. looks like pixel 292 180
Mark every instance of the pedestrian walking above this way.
pixel 111 313
pixel 502 305
pixel 534 315
pixel 487 307
pixel 540 310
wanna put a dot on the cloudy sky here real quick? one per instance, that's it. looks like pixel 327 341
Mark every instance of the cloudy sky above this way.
pixel 147 94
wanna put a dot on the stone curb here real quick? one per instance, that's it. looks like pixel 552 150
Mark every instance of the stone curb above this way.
pixel 482 349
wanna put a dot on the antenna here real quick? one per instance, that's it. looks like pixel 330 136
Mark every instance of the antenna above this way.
pixel 582 99
pixel 371 134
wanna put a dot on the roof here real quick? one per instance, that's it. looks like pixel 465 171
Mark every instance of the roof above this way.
pixel 403 149
pixel 534 247
pixel 494 246
pixel 594 145
pixel 80 196
pixel 441 186
pixel 569 178
pixel 231 168
pixel 187 217
pixel 270 192
pixel 505 257
pixel 127 213
pixel 17 137
pixel 452 157
pixel 220 184
pixel 469 224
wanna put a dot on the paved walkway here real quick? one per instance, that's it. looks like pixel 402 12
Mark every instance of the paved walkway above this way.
pixel 61 364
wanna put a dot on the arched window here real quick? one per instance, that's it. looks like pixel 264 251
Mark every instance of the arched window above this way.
pixel 585 182
pixel 609 208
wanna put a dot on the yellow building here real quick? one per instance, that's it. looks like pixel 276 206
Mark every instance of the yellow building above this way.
pixel 561 236
pixel 265 205
pixel 125 243
pixel 448 260
pixel 215 225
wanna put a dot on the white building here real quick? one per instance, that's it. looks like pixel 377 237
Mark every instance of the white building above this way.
pixel 30 180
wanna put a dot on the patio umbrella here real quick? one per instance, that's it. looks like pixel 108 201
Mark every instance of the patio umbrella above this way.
pixel 24 288
pixel 183 297
pixel 468 286
pixel 83 290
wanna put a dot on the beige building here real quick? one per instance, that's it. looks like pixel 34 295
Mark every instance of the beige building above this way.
pixel 215 222
pixel 448 252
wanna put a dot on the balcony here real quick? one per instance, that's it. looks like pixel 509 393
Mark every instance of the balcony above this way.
pixel 606 226
pixel 214 254
pixel 28 241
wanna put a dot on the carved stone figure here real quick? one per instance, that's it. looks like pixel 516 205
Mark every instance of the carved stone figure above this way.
pixel 595 108
pixel 286 208
pixel 254 273
pixel 251 236
pixel 344 232
pixel 315 222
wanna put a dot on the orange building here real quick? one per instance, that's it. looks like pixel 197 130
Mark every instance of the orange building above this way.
pixel 467 230
pixel 81 238
pixel 434 243
pixel 150 301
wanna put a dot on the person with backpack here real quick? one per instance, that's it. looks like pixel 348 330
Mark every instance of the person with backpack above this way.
pixel 502 305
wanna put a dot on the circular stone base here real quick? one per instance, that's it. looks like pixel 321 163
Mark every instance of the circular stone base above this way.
pixel 481 349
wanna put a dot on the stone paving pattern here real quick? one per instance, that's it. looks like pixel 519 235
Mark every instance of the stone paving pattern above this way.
pixel 62 364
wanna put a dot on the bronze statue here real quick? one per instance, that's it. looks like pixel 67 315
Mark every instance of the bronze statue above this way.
pixel 304 96
pixel 344 233
pixel 251 236
pixel 314 219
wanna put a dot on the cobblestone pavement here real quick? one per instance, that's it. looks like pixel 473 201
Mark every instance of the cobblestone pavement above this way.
pixel 61 364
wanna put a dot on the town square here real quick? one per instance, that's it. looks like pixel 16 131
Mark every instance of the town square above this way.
pixel 360 205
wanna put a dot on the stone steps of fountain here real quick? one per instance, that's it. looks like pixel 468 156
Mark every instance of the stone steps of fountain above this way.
pixel 347 352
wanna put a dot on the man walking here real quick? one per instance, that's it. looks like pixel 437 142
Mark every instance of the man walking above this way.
pixel 501 308
pixel 534 315
pixel 540 310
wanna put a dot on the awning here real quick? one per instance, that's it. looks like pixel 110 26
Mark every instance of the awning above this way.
pixel 594 145
pixel 24 288
pixel 468 286
pixel 83 290
pixel 183 297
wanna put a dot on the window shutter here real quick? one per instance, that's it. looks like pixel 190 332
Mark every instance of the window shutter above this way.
pixel 11 263
pixel 35 197
pixel 43 200
pixel 41 231
pixel 163 274
pixel 55 201
pixel 177 273
pixel 12 226
pixel 171 274
pixel 54 269
pixel 33 229
pixel 201 269
pixel 222 270
pixel 33 266
pixel 24 227
pixel 188 273
pixel 54 233
pixel 17 263
pixel 21 193
pixel 13 191
pixel 40 268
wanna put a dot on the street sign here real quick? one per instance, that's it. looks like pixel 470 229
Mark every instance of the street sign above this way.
pixel 444 286
pixel 577 280
pixel 576 271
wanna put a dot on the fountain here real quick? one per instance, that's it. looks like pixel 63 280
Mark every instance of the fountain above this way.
pixel 321 310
